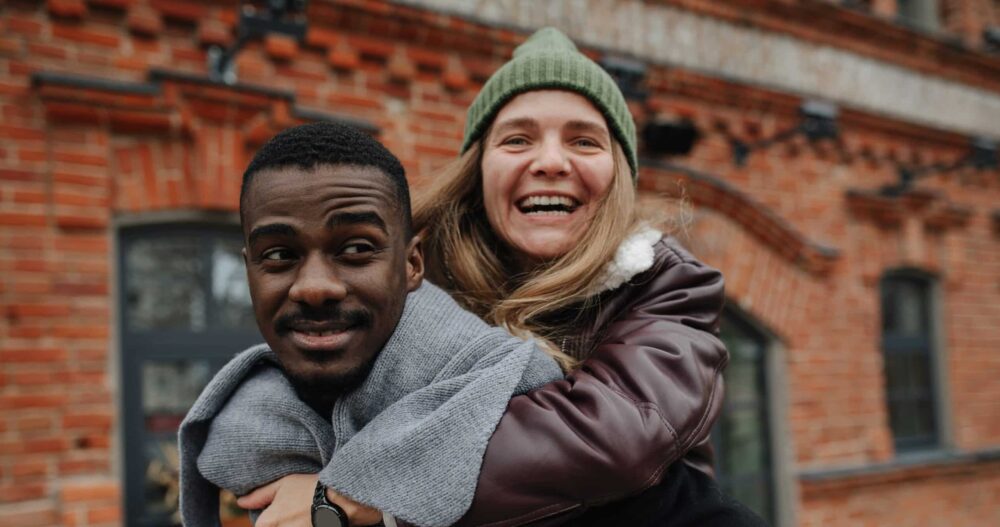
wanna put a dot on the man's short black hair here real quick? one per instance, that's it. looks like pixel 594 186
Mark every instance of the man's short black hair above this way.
pixel 327 143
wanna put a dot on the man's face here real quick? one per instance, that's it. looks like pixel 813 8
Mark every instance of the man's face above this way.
pixel 329 265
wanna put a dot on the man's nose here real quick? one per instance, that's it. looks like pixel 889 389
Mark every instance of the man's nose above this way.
pixel 317 282
pixel 551 159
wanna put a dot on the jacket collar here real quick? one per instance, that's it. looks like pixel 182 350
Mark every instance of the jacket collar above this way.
pixel 634 255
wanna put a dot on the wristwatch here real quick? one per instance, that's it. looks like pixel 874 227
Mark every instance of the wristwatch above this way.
pixel 326 513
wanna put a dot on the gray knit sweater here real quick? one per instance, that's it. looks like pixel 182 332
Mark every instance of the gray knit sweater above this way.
pixel 409 441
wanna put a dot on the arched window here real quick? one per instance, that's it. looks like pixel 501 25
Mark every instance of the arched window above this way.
pixel 184 310
pixel 742 435
pixel 908 352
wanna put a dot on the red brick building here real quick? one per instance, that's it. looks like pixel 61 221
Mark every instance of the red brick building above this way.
pixel 860 241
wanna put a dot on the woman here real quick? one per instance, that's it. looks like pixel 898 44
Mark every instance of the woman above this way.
pixel 535 229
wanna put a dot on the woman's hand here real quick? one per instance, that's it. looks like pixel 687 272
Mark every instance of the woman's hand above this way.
pixel 287 502
pixel 357 513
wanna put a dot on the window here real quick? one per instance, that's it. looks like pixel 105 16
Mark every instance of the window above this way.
pixel 921 14
pixel 742 435
pixel 907 347
pixel 185 310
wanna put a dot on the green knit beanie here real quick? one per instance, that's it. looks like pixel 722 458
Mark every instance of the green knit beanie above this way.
pixel 549 60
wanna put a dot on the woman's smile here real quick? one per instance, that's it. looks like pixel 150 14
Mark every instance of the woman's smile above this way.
pixel 548 205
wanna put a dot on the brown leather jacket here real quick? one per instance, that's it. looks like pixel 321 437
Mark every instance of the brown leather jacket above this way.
pixel 646 397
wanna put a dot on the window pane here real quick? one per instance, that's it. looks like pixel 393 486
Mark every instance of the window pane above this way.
pixel 163 284
pixel 925 425
pixel 919 13
pixel 897 373
pixel 920 374
pixel 906 342
pixel 755 494
pixel 743 372
pixel 904 308
pixel 903 419
pixel 169 388
pixel 744 443
pixel 230 293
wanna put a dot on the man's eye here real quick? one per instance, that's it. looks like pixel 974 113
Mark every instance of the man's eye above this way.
pixel 358 248
pixel 277 255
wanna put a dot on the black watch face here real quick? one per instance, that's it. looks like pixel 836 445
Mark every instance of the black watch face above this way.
pixel 326 516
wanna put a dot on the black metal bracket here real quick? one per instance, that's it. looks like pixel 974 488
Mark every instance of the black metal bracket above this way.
pixel 628 74
pixel 982 155
pixel 819 121
pixel 991 39
pixel 257 19
pixel 674 137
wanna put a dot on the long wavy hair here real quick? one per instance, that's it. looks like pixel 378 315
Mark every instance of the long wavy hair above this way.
pixel 463 253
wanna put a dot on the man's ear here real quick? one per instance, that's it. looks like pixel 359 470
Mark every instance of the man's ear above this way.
pixel 414 264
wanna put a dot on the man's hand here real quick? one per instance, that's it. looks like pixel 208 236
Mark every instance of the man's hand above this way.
pixel 287 502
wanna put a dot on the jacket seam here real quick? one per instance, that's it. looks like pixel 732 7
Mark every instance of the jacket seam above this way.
pixel 701 424
pixel 711 400
pixel 659 470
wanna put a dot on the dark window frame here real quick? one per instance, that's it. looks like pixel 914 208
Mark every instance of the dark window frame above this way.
pixel 919 353
pixel 214 345
pixel 740 323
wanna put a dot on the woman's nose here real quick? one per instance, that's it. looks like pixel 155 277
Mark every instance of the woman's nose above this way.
pixel 317 283
pixel 550 160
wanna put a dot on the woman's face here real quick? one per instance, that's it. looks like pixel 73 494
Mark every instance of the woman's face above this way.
pixel 546 162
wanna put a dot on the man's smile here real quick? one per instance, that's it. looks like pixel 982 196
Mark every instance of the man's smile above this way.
pixel 323 334
pixel 324 340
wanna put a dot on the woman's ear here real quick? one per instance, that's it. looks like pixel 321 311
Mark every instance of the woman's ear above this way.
pixel 414 264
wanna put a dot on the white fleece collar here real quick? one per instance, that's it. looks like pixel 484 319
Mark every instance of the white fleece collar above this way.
pixel 634 255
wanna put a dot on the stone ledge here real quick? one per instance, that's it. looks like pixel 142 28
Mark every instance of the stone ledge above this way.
pixel 888 84
pixel 141 105
pixel 909 467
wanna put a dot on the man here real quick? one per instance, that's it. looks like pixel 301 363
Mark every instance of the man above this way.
pixel 365 369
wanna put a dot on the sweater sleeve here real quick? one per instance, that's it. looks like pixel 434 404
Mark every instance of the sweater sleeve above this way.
pixel 650 391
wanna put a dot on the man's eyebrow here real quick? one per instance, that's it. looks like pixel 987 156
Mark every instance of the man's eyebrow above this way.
pixel 271 229
pixel 357 218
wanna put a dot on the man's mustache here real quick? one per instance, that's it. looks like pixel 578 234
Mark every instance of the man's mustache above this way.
pixel 333 318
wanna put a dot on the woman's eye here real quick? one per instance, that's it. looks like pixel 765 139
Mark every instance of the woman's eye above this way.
pixel 515 141
pixel 586 143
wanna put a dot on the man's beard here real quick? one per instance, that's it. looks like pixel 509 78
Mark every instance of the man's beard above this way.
pixel 321 392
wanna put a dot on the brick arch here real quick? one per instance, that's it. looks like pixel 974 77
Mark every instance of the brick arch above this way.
pixel 177 141
pixel 711 192
pixel 765 285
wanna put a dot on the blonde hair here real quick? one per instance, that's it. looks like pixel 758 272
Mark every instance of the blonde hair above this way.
pixel 461 252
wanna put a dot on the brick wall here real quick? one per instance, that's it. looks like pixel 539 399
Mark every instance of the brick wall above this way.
pixel 799 232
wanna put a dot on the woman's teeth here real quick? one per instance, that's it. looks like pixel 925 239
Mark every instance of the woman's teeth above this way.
pixel 548 205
